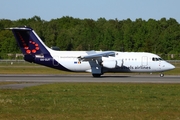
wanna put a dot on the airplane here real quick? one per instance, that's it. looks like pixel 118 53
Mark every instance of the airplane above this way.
pixel 95 62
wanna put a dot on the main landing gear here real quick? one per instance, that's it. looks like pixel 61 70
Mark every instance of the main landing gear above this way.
pixel 96 75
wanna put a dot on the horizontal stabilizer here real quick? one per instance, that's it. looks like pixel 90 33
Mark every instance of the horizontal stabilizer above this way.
pixel 19 28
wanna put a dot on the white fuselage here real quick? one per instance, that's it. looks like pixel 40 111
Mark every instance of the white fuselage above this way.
pixel 127 62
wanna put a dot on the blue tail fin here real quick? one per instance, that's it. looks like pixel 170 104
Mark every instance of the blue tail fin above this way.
pixel 34 49
pixel 28 41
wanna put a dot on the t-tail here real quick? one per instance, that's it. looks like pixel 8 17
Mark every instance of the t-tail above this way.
pixel 33 48
pixel 29 42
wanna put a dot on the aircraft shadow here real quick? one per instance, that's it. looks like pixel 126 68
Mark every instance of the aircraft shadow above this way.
pixel 110 76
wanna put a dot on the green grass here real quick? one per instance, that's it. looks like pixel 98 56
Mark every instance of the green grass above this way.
pixel 92 101
pixel 5 83
pixel 176 71
pixel 28 68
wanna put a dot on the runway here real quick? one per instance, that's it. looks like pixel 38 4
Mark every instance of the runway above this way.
pixel 32 80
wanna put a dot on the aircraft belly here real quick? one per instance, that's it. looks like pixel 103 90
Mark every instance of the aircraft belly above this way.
pixel 76 66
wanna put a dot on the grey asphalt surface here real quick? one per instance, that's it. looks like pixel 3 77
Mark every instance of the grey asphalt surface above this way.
pixel 33 80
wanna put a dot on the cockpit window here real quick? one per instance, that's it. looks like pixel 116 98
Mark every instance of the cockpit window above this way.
pixel 156 59
pixel 160 59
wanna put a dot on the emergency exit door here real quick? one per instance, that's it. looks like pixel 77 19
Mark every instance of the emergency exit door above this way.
pixel 144 61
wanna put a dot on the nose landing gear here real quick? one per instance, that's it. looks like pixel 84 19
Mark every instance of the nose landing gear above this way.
pixel 161 75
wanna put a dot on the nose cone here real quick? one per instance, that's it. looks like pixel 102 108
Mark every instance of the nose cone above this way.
pixel 170 66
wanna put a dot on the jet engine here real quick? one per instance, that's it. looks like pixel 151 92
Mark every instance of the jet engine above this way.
pixel 112 63
pixel 109 64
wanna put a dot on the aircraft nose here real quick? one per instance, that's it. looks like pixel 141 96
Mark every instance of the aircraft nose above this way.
pixel 170 66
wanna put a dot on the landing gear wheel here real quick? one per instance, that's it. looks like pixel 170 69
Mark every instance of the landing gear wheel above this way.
pixel 161 75
pixel 96 75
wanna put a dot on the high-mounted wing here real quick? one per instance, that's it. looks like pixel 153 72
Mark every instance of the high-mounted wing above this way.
pixel 94 55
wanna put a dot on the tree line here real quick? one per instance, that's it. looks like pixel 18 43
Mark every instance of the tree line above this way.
pixel 157 36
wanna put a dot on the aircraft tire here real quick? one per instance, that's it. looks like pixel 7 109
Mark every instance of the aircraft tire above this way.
pixel 96 75
pixel 161 75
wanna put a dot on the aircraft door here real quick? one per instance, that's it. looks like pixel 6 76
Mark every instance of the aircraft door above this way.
pixel 159 63
pixel 144 61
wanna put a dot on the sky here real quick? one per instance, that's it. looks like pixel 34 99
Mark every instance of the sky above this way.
pixel 90 9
